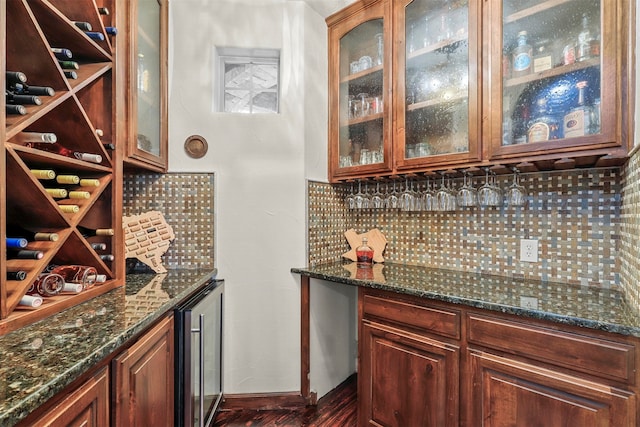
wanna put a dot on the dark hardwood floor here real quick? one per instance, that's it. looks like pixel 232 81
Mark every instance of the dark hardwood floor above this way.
pixel 336 409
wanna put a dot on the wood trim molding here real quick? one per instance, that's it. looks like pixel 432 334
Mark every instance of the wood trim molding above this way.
pixel 262 401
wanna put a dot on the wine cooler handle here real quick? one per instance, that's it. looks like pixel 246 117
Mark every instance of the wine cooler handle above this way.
pixel 201 406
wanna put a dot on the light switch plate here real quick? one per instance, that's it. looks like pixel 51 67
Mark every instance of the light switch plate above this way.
pixel 529 250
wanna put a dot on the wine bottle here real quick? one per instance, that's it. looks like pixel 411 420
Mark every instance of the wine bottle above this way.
pixel 17 110
pixel 99 246
pixel 79 195
pixel 90 232
pixel 69 65
pixel 57 193
pixel 68 179
pixel 63 151
pixel 37 137
pixel 94 35
pixel 16 99
pixel 89 182
pixel 25 254
pixel 70 74
pixel 85 275
pixel 69 208
pixel 103 11
pixel 99 132
pixel 111 31
pixel 107 257
pixel 25 89
pixel 109 146
pixel 62 53
pixel 47 285
pixel 16 242
pixel 84 26
pixel 38 236
pixel 13 77
pixel 75 288
pixel 30 301
pixel 16 275
pixel 101 278
pixel 43 173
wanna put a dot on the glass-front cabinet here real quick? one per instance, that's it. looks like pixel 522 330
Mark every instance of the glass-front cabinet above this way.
pixel 359 94
pixel 554 70
pixel 423 85
pixel 147 99
pixel 436 59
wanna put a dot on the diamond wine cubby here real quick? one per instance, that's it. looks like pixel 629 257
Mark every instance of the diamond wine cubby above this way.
pixel 61 195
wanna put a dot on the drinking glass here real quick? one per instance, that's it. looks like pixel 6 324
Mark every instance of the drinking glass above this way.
pixel 445 197
pixel 377 201
pixel 467 195
pixel 515 194
pixel 429 197
pixel 349 200
pixel 392 201
pixel 489 194
pixel 406 198
pixel 360 199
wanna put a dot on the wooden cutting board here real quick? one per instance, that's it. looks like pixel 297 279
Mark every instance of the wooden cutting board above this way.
pixel 375 239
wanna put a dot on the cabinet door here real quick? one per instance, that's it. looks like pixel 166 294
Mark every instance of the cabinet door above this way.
pixel 143 380
pixel 86 406
pixel 506 392
pixel 148 85
pixel 359 92
pixel 437 109
pixel 553 75
pixel 406 380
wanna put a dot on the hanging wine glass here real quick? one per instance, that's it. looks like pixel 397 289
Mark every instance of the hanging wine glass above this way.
pixel 515 194
pixel 377 201
pixel 467 195
pixel 487 195
pixel 406 198
pixel 359 198
pixel 392 201
pixel 350 199
pixel 429 197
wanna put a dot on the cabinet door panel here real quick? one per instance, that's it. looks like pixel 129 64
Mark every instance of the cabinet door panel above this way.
pixel 407 380
pixel 143 378
pixel 87 406
pixel 506 392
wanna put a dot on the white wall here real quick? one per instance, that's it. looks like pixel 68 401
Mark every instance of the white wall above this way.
pixel 260 183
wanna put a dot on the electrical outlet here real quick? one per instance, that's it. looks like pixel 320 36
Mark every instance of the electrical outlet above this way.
pixel 529 250
pixel 529 302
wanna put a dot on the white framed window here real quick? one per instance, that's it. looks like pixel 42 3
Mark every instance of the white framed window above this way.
pixel 248 80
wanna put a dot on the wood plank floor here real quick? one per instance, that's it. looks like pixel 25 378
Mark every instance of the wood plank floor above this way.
pixel 336 409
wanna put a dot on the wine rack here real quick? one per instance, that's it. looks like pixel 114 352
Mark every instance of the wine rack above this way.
pixel 84 114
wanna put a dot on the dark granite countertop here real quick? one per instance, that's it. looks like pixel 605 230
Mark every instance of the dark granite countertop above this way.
pixel 584 306
pixel 41 359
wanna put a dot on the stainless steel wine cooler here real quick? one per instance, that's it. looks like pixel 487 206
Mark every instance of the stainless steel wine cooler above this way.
pixel 198 328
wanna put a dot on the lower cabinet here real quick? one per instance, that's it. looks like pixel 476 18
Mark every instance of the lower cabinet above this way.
pixel 411 381
pixel 143 380
pixel 133 387
pixel 86 406
pixel 426 363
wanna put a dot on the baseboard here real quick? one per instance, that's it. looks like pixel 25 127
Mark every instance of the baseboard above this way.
pixel 265 401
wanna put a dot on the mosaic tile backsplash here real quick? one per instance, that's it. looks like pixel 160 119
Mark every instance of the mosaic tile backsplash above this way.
pixel 630 231
pixel 575 216
pixel 187 203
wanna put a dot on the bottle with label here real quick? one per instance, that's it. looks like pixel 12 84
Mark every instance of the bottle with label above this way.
pixel 37 236
pixel 364 254
pixel 544 125
pixel 579 121
pixel 58 148
pixel 90 232
pixel 542 57
pixel 522 56
pixel 35 137
pixel 588 45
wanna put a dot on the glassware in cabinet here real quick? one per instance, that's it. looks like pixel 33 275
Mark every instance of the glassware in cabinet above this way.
pixel 435 62
pixel 557 84
pixel 359 97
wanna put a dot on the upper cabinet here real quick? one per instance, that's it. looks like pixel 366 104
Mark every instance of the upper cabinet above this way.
pixel 466 83
pixel 147 92
pixel 360 90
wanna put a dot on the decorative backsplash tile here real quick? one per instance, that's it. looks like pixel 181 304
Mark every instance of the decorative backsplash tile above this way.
pixel 575 216
pixel 187 203
pixel 630 231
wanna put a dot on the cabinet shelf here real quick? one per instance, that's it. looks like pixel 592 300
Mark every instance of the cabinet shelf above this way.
pixel 533 10
pixel 365 119
pixel 557 71
pixel 437 102
pixel 444 46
